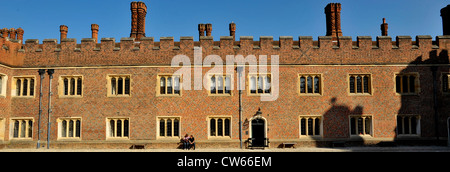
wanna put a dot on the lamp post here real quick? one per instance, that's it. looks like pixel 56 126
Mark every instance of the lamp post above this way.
pixel 50 73
pixel 239 69
pixel 42 74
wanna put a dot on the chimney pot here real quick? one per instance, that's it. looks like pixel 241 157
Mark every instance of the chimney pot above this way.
pixel 63 29
pixel 445 14
pixel 384 28
pixel 208 29
pixel 94 29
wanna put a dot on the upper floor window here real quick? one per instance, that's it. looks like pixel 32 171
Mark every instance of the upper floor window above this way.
pixel 3 81
pixel 71 86
pixel 220 84
pixel 360 84
pixel 310 84
pixel 119 85
pixel 169 85
pixel 260 84
pixel 23 86
pixel 406 83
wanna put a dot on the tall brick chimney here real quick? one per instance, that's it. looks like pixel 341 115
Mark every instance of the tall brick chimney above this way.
pixel 384 28
pixel 20 32
pixel 12 33
pixel 201 29
pixel 63 29
pixel 5 32
pixel 208 29
pixel 94 29
pixel 233 30
pixel 445 14
pixel 138 14
pixel 333 19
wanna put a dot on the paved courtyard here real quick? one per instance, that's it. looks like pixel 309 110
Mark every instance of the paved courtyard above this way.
pixel 301 149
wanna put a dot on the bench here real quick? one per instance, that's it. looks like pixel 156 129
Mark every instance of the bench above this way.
pixel 137 147
pixel 288 145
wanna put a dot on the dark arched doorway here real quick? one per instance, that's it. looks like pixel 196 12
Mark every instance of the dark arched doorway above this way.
pixel 258 132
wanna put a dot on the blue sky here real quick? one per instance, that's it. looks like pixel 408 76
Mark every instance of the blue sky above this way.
pixel 41 18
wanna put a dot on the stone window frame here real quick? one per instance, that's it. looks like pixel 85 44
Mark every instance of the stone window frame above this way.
pixel 364 127
pixel 224 76
pixel 307 134
pixel 257 75
pixel 306 75
pixel 3 85
pixel 67 134
pixel 62 88
pixel 173 94
pixel 216 120
pixel 112 135
pixel 109 86
pixel 29 85
pixel 416 83
pixel 2 128
pixel 172 124
pixel 409 118
pixel 12 126
pixel 370 90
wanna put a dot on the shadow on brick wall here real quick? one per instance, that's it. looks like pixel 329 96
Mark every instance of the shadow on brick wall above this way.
pixel 421 119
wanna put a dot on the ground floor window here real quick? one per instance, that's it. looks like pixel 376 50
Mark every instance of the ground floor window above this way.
pixel 169 127
pixel 69 128
pixel 219 126
pixel 22 128
pixel 361 125
pixel 118 127
pixel 408 125
pixel 310 125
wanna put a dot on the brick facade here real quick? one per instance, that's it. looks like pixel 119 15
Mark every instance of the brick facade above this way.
pixel 334 57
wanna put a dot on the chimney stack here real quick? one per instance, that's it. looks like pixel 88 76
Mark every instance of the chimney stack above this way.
pixel 20 32
pixel 445 14
pixel 333 16
pixel 208 29
pixel 233 30
pixel 201 29
pixel 94 29
pixel 384 28
pixel 5 32
pixel 12 33
pixel 138 14
pixel 63 29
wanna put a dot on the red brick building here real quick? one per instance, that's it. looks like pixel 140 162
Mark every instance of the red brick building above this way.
pixel 109 94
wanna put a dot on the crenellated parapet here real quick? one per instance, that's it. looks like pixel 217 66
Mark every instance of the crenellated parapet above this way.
pixel 304 50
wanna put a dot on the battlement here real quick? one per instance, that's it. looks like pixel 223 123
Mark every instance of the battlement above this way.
pixel 141 50
pixel 246 42
pixel 305 50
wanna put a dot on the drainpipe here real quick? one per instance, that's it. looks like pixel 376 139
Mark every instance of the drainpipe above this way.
pixel 435 102
pixel 42 74
pixel 448 131
pixel 239 70
pixel 50 73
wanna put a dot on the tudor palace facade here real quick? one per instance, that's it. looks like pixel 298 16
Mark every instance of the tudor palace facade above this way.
pixel 108 94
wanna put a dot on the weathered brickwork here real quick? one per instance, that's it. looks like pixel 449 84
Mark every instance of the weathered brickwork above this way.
pixel 145 60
